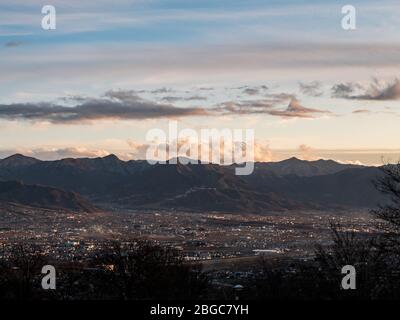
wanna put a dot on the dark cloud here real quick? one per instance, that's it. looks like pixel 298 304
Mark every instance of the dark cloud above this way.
pixel 13 44
pixel 123 95
pixel 313 89
pixel 194 98
pixel 245 107
pixel 253 91
pixel 375 91
pixel 294 109
pixel 259 106
pixel 74 98
pixel 172 99
pixel 126 104
pixel 161 91
pixel 114 105
pixel 156 91
pixel 344 90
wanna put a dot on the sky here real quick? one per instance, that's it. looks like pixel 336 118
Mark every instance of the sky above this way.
pixel 111 71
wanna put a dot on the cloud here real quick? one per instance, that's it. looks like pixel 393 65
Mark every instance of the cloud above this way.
pixel 255 90
pixel 77 152
pixel 172 99
pixel 245 107
pixel 344 90
pixel 312 89
pixel 280 97
pixel 127 105
pixel 161 91
pixel 126 64
pixel 262 150
pixel 13 44
pixel 355 162
pixel 122 95
pixel 296 110
pixel 269 107
pixel 376 90
pixel 258 106
pixel 306 152
pixel 135 151
pixel 138 150
pixel 117 105
pixel 251 91
pixel 53 153
pixel 361 111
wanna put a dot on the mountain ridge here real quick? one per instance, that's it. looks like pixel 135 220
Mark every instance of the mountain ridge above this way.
pixel 274 186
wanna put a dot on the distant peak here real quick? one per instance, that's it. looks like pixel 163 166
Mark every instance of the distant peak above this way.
pixel 292 159
pixel 17 156
pixel 111 157
pixel 324 160
pixel 295 159
pixel 19 159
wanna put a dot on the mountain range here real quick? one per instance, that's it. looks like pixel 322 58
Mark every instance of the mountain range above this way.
pixel 87 183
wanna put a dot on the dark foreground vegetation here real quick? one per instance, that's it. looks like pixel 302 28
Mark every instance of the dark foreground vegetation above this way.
pixel 139 270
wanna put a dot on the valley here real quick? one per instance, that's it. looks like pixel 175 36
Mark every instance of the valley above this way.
pixel 199 236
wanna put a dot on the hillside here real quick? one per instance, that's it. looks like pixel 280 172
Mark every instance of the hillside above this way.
pixel 42 197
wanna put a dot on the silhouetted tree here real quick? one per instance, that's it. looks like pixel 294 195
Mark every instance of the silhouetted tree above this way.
pixel 351 249
pixel 389 212
pixel 20 268
pixel 137 270
pixel 321 277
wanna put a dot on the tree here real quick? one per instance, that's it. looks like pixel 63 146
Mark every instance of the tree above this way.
pixel 20 270
pixel 142 270
pixel 376 259
pixel 389 212
pixel 358 251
